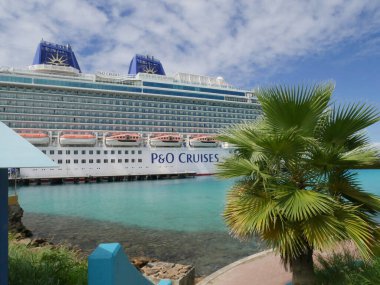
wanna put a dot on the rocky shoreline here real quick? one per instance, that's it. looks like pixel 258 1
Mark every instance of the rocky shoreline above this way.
pixel 152 268
pixel 15 224
pixel 206 251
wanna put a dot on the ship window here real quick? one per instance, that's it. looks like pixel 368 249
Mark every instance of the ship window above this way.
pixel 133 152
pixel 98 152
pixel 119 152
pixel 90 161
pixel 126 152
pixel 139 152
pixel 83 152
pixel 112 161
pixel 75 160
pixel 132 160
pixel 59 161
pixel 44 151
pixel 83 161
pixel 105 152
pixel 52 152
pixel 126 160
pixel 119 160
pixel 90 152
pixel 112 152
pixel 139 160
pixel 75 152
pixel 105 161
pixel 98 161
pixel 60 152
pixel 68 161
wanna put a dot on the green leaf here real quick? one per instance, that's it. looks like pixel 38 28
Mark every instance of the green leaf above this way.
pixel 300 204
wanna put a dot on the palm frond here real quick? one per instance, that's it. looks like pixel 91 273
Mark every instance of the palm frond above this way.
pixel 248 212
pixel 235 166
pixel 346 121
pixel 300 107
pixel 286 239
pixel 359 157
pixel 299 204
pixel 357 229
pixel 346 185
pixel 243 137
pixel 323 231
pixel 357 140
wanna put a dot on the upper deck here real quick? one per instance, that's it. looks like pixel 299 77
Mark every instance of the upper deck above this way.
pixel 54 94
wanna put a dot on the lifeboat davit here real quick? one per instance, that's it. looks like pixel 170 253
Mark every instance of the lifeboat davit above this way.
pixel 77 139
pixel 36 138
pixel 123 139
pixel 203 141
pixel 166 140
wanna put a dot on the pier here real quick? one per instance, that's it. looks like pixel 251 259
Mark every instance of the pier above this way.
pixel 78 180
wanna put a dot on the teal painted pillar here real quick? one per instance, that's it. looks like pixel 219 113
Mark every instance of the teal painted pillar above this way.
pixel 3 226
pixel 109 265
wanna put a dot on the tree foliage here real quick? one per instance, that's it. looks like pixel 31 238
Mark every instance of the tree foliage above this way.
pixel 297 190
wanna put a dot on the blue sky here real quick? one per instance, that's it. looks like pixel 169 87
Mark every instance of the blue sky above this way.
pixel 248 42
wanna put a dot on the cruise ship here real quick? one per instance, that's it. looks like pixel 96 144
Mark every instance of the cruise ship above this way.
pixel 114 125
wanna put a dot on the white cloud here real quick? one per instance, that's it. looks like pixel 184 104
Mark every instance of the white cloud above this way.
pixel 236 39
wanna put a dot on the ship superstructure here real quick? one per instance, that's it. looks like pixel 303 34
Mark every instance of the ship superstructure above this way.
pixel 107 124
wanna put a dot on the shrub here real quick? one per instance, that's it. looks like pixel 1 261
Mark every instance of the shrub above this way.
pixel 45 265
pixel 344 269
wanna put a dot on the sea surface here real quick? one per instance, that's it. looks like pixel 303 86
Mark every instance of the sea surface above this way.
pixel 171 220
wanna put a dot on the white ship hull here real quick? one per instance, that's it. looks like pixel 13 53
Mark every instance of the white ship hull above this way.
pixel 109 125
pixel 127 162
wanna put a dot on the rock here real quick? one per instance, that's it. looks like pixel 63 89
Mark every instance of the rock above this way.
pixel 141 261
pixel 178 273
pixel 15 225
pixel 25 241
pixel 38 242
pixel 150 271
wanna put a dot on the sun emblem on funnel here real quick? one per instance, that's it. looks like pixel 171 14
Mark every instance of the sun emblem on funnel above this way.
pixel 57 60
pixel 150 69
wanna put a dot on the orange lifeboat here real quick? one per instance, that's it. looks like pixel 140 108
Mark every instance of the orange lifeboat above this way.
pixel 123 139
pixel 166 140
pixel 203 141
pixel 77 139
pixel 36 138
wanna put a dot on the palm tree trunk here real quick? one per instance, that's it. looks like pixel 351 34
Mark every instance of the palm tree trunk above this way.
pixel 303 269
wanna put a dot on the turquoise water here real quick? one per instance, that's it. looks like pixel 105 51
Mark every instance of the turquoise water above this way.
pixel 184 204
pixel 172 220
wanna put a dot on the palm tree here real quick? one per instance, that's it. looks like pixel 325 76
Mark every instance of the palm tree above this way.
pixel 296 189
